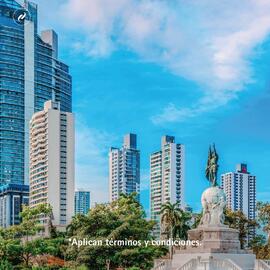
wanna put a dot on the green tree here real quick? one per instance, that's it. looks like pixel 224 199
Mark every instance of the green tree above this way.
pixel 123 219
pixel 141 257
pixel 238 220
pixel 5 265
pixel 28 229
pixel 10 248
pixel 258 244
pixel 170 217
pixel 263 210
pixel 182 225
pixel 20 245
pixel 31 224
pixel 197 219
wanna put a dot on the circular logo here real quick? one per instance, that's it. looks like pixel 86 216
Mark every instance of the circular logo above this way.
pixel 21 16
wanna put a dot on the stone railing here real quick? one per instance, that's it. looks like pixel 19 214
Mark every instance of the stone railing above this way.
pixel 216 264
pixel 226 264
pixel 190 265
pixel 262 265
pixel 162 265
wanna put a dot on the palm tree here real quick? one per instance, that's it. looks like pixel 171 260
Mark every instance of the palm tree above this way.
pixel 182 225
pixel 170 217
pixel 197 220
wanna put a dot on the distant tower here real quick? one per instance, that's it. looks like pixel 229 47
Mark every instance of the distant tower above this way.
pixel 167 176
pixel 82 201
pixel 12 198
pixel 52 161
pixel 124 168
pixel 240 190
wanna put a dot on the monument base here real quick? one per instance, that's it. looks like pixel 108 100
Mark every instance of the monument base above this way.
pixel 215 239
pixel 219 249
pixel 213 261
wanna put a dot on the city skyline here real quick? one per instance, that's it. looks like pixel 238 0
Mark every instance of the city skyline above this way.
pixel 123 90
pixel 134 134
pixel 31 73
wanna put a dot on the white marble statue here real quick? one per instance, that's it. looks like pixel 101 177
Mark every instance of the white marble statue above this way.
pixel 213 202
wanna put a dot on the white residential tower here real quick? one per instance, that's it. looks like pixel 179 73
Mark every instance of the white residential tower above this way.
pixel 240 190
pixel 167 176
pixel 52 161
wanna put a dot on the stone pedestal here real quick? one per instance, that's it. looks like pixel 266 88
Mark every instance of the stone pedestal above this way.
pixel 217 239
pixel 219 249
pixel 213 261
pixel 218 245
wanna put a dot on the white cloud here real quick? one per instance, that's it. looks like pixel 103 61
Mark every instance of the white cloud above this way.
pixel 210 42
pixel 92 148
pixel 209 102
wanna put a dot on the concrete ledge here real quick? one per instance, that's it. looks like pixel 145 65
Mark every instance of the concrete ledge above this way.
pixel 244 261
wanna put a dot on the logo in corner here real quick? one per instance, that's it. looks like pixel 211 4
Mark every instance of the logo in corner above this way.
pixel 21 16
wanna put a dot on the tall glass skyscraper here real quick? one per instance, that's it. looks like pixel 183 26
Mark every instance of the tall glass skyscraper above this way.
pixel 30 74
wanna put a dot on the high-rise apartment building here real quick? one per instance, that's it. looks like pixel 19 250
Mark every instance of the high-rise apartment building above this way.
pixel 12 198
pixel 167 177
pixel 52 161
pixel 156 185
pixel 124 168
pixel 30 74
pixel 82 202
pixel 240 190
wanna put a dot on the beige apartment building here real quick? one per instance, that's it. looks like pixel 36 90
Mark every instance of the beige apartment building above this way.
pixel 52 162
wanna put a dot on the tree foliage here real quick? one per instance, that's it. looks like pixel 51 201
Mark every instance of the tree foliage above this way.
pixel 19 245
pixel 263 209
pixel 175 220
pixel 261 244
pixel 123 219
pixel 238 220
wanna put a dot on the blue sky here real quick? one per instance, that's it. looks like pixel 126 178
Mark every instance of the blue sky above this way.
pixel 198 71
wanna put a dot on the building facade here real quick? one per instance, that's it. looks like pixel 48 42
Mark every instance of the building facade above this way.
pixel 240 190
pixel 52 161
pixel 167 177
pixel 12 198
pixel 124 168
pixel 156 187
pixel 82 202
pixel 30 74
